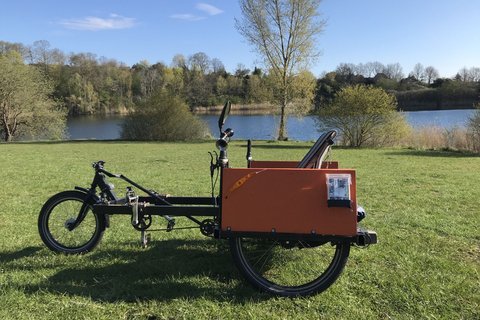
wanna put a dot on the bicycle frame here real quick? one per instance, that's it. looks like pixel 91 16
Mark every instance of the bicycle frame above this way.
pixel 239 217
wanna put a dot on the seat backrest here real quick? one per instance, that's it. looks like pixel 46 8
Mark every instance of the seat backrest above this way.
pixel 314 157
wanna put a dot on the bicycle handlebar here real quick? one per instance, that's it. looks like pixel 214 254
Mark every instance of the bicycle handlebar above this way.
pixel 98 166
pixel 222 142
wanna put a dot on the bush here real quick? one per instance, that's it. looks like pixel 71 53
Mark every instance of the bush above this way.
pixel 163 117
pixel 473 129
pixel 365 115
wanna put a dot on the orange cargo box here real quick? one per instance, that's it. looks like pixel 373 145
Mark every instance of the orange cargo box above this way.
pixel 285 200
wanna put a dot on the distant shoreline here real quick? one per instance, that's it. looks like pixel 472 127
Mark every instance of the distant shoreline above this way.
pixel 266 109
pixel 252 109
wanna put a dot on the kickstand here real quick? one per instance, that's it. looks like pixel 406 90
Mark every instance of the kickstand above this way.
pixel 144 238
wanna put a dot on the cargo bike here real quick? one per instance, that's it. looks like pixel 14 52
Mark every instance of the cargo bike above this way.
pixel 290 225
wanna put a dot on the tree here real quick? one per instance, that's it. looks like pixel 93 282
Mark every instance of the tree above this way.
pixel 6 47
pixel 26 108
pixel 364 115
pixel 463 74
pixel 394 71
pixel 283 32
pixel 199 62
pixel 82 98
pixel 475 74
pixel 373 68
pixel 217 66
pixel 418 72
pixel 469 75
pixel 431 74
pixel 163 117
pixel 179 61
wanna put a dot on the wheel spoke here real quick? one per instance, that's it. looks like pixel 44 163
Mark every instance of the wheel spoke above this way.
pixel 64 209
pixel 289 268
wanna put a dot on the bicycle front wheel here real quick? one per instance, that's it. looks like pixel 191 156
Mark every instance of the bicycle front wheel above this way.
pixel 289 268
pixel 57 216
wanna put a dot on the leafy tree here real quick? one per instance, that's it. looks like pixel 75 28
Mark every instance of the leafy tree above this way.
pixel 327 87
pixel 163 117
pixel 82 97
pixel 256 91
pixel 7 47
pixel 26 108
pixel 304 92
pixel 283 32
pixel 364 115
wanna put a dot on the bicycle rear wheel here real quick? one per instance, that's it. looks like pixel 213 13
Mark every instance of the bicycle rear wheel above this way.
pixel 289 268
pixel 60 212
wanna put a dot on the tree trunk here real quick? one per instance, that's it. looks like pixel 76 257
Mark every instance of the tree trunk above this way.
pixel 282 131
pixel 282 135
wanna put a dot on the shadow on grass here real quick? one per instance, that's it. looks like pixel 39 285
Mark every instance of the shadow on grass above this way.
pixel 166 270
pixel 433 153
pixel 11 256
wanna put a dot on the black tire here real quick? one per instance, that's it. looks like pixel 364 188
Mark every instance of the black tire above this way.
pixel 289 268
pixel 61 209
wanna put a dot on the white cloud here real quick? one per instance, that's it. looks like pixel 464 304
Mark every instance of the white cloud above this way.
pixel 208 8
pixel 187 17
pixel 114 21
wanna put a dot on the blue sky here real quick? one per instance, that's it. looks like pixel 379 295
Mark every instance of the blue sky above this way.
pixel 442 33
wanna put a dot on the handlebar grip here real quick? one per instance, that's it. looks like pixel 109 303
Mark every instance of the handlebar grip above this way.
pixel 229 132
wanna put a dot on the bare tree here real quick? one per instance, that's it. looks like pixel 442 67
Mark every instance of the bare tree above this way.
pixel 418 72
pixel 241 71
pixel 346 69
pixel 217 66
pixel 474 74
pixel 179 61
pixel 199 62
pixel 394 71
pixel 463 74
pixel 377 67
pixel 469 75
pixel 283 32
pixel 41 54
pixel 431 74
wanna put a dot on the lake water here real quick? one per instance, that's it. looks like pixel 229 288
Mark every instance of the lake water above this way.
pixel 259 127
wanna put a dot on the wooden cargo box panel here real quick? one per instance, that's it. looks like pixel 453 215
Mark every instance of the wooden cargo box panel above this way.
pixel 286 200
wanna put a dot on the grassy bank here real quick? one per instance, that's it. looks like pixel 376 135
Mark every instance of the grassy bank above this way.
pixel 424 206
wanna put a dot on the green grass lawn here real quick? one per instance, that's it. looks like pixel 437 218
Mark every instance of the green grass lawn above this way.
pixel 424 205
